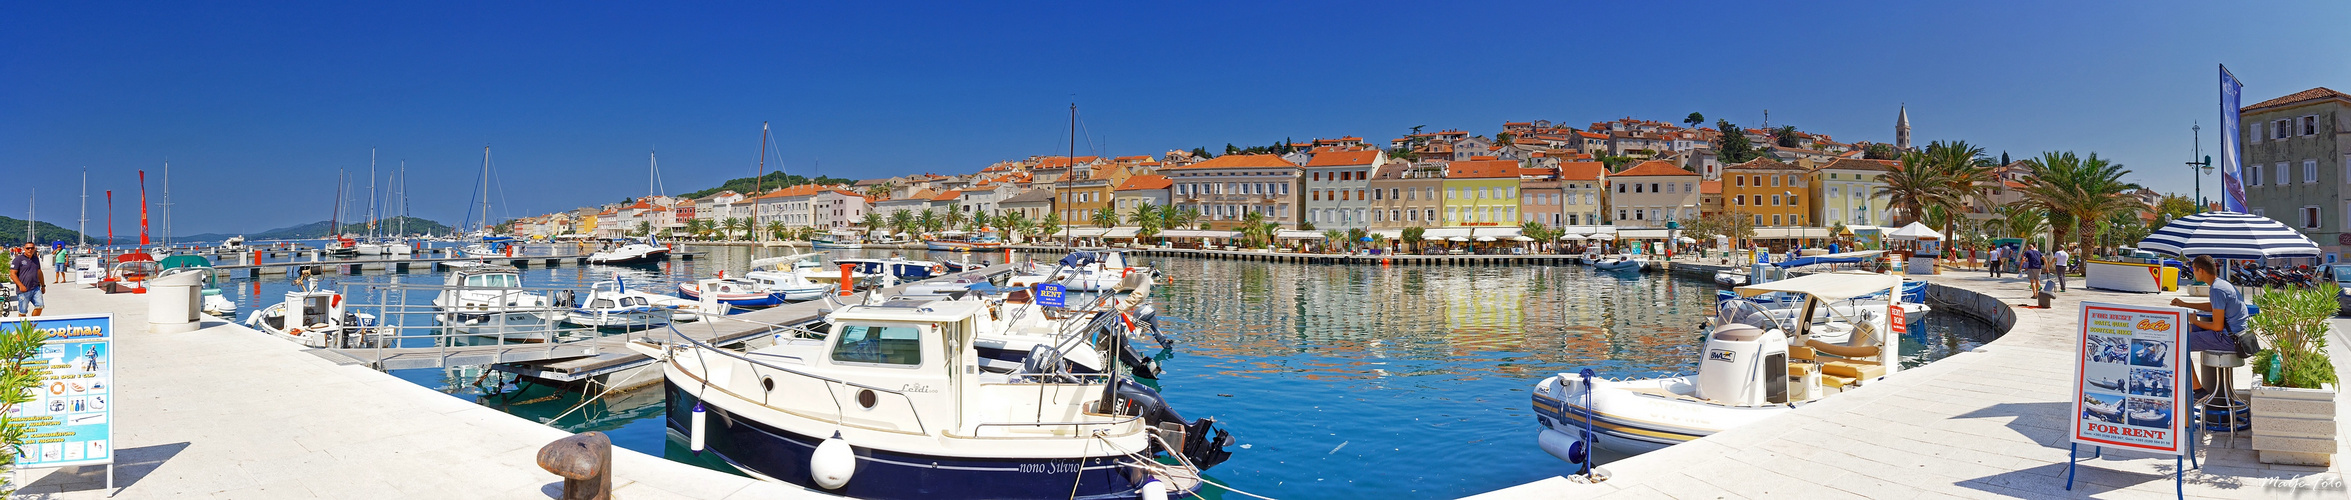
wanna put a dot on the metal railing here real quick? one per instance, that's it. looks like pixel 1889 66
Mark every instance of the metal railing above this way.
pixel 404 323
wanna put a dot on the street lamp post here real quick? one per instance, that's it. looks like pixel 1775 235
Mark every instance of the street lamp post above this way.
pixel 2199 168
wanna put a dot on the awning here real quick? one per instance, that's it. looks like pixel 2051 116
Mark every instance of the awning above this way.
pixel 1784 233
pixel 1915 231
pixel 1495 232
pixel 1641 234
pixel 1298 234
pixel 1588 231
pixel 1393 234
pixel 1193 233
pixel 1120 233
pixel 1829 286
pixel 1087 232
pixel 1440 233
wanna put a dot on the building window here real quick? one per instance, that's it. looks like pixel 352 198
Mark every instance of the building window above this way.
pixel 1738 201
pixel 1775 180
pixel 2310 171
pixel 2310 125
pixel 2253 174
pixel 1432 214
pixel 2285 174
pixel 1775 200
pixel 1653 187
pixel 1775 219
pixel 2281 129
pixel 2310 217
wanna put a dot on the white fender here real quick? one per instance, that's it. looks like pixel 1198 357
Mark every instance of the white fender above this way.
pixel 833 463
pixel 1154 490
pixel 694 438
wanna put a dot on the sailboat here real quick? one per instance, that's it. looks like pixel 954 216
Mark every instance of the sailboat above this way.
pixel 482 248
pixel 644 249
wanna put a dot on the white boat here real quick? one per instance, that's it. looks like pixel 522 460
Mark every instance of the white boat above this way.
pixel 1097 270
pixel 486 300
pixel 319 321
pixel 796 284
pixel 1756 365
pixel 1621 262
pixel 481 250
pixel 1731 277
pixel 894 403
pixel 636 251
pixel 732 292
pixel 610 304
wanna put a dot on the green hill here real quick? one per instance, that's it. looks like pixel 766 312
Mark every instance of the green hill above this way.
pixel 12 232
pixel 318 229
pixel 771 181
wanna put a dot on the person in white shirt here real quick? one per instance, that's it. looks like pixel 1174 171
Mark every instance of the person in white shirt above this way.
pixel 1994 264
pixel 2059 263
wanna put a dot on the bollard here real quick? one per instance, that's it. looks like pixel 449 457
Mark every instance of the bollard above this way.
pixel 584 461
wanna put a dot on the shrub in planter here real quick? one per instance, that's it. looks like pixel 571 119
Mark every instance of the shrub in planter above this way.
pixel 2294 401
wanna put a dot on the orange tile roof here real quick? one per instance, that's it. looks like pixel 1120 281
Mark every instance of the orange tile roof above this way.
pixel 1581 170
pixel 1343 158
pixel 1481 169
pixel 1063 161
pixel 2306 95
pixel 800 190
pixel 1523 172
pixel 1709 187
pixel 1653 168
pixel 1240 161
pixel 1761 164
pixel 949 195
pixel 1145 183
pixel 1858 164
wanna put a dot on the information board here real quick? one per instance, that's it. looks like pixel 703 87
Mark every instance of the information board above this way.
pixel 87 271
pixel 2129 389
pixel 1052 295
pixel 72 411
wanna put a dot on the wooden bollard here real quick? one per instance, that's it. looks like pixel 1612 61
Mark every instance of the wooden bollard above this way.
pixel 585 462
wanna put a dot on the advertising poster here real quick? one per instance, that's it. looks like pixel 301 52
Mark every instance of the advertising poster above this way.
pixel 2129 390
pixel 86 270
pixel 1052 295
pixel 72 410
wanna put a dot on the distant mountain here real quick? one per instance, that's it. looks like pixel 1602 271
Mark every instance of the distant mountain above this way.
pixel 771 181
pixel 12 232
pixel 318 229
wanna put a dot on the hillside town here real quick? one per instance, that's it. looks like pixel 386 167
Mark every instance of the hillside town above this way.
pixel 1620 180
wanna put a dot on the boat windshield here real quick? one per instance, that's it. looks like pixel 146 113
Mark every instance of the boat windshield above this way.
pixel 1747 312
pixel 877 344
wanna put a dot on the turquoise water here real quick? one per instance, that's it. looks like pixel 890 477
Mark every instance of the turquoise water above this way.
pixel 1336 381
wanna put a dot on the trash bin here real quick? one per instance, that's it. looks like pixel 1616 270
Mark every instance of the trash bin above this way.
pixel 173 298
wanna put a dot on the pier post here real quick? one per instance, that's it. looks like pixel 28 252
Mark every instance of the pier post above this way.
pixel 584 461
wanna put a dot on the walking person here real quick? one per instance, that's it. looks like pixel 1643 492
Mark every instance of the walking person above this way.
pixel 1995 262
pixel 60 261
pixel 2032 266
pixel 24 269
pixel 2061 263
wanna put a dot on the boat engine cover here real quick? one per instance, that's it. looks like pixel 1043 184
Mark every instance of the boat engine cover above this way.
pixel 1732 369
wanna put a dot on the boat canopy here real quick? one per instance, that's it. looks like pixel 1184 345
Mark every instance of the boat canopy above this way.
pixel 1080 258
pixel 1829 286
pixel 770 261
pixel 1834 258
pixel 184 261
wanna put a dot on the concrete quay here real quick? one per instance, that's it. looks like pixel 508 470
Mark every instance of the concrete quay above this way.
pixel 228 412
pixel 1991 423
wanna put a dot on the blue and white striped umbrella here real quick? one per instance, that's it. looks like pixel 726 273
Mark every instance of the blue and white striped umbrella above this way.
pixel 2229 235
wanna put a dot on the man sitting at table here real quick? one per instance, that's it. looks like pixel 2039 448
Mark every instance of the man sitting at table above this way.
pixel 2217 332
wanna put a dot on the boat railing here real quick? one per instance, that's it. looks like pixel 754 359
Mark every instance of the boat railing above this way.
pixel 1121 420
pixel 840 412
pixel 402 324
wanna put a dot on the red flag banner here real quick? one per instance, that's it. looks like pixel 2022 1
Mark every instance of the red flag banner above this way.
pixel 143 208
pixel 109 217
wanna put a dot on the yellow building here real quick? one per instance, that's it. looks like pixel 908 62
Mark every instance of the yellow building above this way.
pixel 1481 193
pixel 1775 193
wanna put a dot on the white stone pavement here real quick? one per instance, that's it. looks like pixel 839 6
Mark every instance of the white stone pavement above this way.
pixel 1985 424
pixel 228 412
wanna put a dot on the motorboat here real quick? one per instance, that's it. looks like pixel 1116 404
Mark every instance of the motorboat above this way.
pixel 320 320
pixel 893 402
pixel 957 241
pixel 488 300
pixel 639 251
pixel 341 246
pixel 902 269
pixel 1731 277
pixel 835 243
pixel 1756 365
pixel 1621 262
pixel 611 304
pixel 481 251
pixel 1096 270
pixel 130 272
pixel 731 292
pixel 385 247
pixel 794 284
pixel 234 243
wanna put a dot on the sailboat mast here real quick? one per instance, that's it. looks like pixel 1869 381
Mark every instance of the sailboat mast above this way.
pixel 485 225
pixel 759 184
pixel 403 186
pixel 81 229
pixel 371 194
pixel 1070 170
pixel 167 203
pixel 335 222
pixel 32 200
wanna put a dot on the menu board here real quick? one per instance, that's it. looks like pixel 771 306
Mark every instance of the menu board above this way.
pixel 2129 389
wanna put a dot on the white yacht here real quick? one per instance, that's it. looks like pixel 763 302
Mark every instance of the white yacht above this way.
pixel 487 300
pixel 610 304
pixel 320 320
pixel 805 280
pixel 636 251
pixel 1756 365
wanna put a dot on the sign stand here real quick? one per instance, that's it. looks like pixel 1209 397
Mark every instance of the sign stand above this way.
pixel 2126 379
pixel 71 412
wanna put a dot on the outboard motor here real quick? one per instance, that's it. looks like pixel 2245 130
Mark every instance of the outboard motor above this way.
pixel 1140 365
pixel 1200 448
pixel 566 299
pixel 1744 365
pixel 1149 315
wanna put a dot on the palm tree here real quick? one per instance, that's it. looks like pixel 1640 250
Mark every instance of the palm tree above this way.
pixel 1535 231
pixel 2086 191
pixel 1190 217
pixel 1051 224
pixel 1015 224
pixel 928 221
pixel 873 221
pixel 777 228
pixel 953 218
pixel 737 225
pixel 902 221
pixel 1933 184
pixel 1103 218
pixel 1146 219
pixel 1412 237
pixel 1255 232
pixel 1335 239
pixel 2022 220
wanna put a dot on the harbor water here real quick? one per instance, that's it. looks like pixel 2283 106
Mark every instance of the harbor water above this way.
pixel 1335 380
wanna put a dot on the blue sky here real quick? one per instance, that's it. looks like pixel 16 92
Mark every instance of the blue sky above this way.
pixel 256 105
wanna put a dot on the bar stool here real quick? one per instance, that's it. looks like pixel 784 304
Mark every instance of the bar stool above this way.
pixel 2223 386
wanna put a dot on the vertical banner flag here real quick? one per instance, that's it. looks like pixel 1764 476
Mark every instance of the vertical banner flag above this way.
pixel 2128 378
pixel 143 208
pixel 70 412
pixel 109 217
pixel 2232 188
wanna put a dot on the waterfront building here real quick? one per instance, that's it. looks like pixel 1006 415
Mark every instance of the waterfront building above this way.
pixel 1539 197
pixel 1846 191
pixel 983 197
pixel 789 206
pixel 1080 197
pixel 945 201
pixel 1225 188
pixel 1138 190
pixel 1648 194
pixel 1481 193
pixel 1031 204
pixel 1058 168
pixel 1337 187
pixel 836 209
pixel 2296 153
pixel 1709 197
pixel 1582 185
pixel 1408 195
pixel 1772 191
pixel 913 203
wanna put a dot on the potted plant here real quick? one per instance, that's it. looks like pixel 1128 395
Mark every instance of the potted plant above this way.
pixel 2293 400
